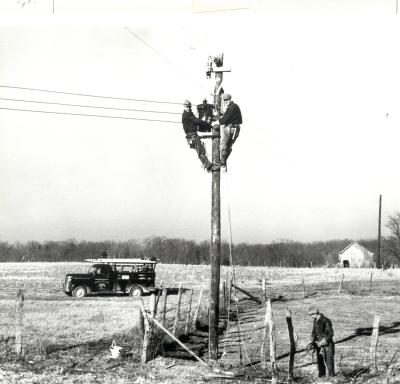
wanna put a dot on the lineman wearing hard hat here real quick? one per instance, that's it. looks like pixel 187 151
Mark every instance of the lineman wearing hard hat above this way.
pixel 191 125
pixel 231 120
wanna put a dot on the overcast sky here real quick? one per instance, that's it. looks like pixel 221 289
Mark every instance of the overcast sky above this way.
pixel 318 84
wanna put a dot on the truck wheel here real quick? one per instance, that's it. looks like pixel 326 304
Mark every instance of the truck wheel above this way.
pixel 79 291
pixel 136 291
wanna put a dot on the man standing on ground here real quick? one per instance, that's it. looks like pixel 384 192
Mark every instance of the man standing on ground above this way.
pixel 231 120
pixel 322 341
pixel 191 125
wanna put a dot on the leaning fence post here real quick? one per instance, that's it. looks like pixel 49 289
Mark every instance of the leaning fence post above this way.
pixel 188 314
pixel 374 342
pixel 19 308
pixel 292 344
pixel 178 310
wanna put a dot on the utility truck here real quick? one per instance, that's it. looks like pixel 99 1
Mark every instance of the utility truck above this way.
pixel 120 276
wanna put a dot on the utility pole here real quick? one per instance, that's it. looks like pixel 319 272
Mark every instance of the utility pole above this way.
pixel 378 251
pixel 215 65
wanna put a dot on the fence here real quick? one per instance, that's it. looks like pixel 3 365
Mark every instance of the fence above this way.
pixel 45 326
pixel 251 327
pixel 247 337
pixel 184 322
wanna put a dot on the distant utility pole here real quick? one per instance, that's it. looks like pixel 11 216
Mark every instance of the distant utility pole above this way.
pixel 215 65
pixel 378 251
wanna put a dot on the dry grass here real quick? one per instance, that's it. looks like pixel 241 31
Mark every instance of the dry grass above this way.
pixel 61 331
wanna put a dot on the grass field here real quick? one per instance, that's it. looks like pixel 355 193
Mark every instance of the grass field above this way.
pixel 67 340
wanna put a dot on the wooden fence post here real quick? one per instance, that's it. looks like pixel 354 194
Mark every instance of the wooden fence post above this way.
pixel 269 323
pixel 264 290
pixel 272 343
pixel 304 287
pixel 370 282
pixel 292 350
pixel 152 306
pixel 142 328
pixel 19 308
pixel 158 295
pixel 263 342
pixel 164 311
pixel 187 327
pixel 340 285
pixel 229 292
pixel 223 296
pixel 147 332
pixel 196 311
pixel 374 342
pixel 178 310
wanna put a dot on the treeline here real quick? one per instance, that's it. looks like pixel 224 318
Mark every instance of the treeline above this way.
pixel 285 253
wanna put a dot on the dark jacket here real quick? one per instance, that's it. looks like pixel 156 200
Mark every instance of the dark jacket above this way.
pixel 191 124
pixel 322 329
pixel 232 115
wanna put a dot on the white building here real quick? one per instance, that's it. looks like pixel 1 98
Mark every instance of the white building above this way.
pixel 356 256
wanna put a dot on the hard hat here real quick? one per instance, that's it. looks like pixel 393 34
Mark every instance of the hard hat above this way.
pixel 226 96
pixel 187 103
pixel 313 309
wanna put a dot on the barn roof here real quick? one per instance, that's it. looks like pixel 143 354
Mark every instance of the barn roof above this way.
pixel 356 244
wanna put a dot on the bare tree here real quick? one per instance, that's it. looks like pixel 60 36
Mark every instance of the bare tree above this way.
pixel 392 242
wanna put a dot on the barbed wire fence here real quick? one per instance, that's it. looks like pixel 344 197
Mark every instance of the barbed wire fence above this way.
pixel 243 337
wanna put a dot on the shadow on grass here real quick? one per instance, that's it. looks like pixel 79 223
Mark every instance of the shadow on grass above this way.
pixel 359 332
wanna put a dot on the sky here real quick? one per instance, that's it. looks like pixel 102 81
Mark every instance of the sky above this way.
pixel 317 82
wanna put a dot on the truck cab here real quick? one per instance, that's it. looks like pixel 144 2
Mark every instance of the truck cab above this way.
pixel 120 276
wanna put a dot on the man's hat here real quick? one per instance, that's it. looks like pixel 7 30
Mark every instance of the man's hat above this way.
pixel 226 96
pixel 313 309
pixel 187 103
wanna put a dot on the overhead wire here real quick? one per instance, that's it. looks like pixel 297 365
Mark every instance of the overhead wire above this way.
pixel 89 115
pixel 170 62
pixel 88 106
pixel 88 95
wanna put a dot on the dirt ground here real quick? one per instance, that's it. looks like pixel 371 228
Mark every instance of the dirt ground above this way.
pixel 77 351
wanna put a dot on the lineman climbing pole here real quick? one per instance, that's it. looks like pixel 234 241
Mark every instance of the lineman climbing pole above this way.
pixel 215 66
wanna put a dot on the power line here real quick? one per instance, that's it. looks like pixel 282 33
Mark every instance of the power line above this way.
pixel 161 55
pixel 89 115
pixel 88 106
pixel 88 95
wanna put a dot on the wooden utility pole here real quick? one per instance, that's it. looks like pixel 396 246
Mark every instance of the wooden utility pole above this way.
pixel 215 248
pixel 215 66
pixel 378 251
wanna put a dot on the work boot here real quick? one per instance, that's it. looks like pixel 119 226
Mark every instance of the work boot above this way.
pixel 206 164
